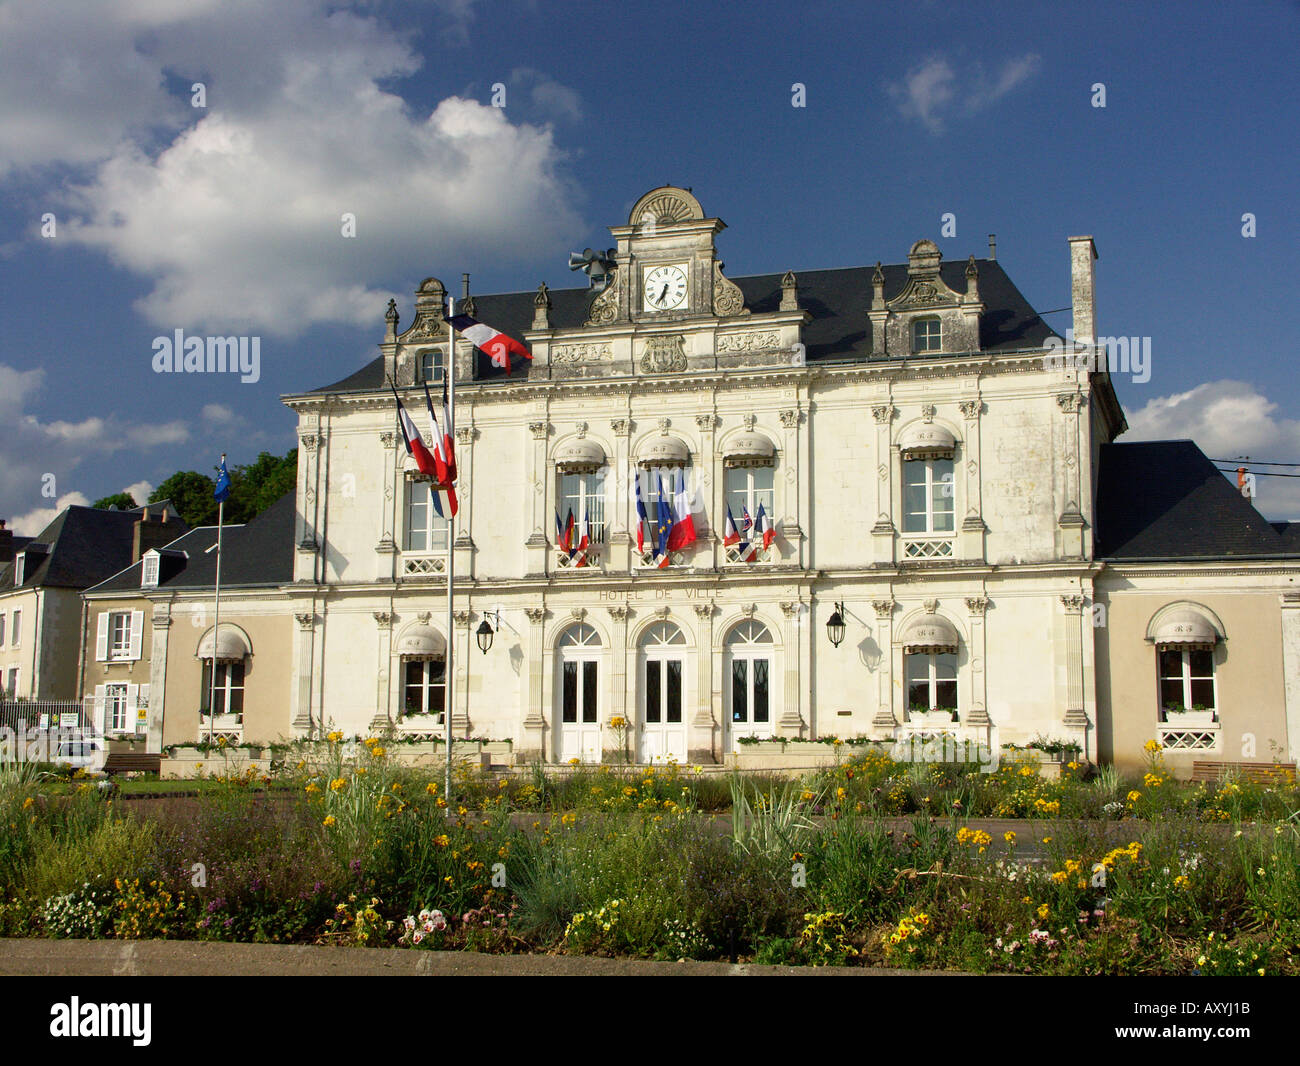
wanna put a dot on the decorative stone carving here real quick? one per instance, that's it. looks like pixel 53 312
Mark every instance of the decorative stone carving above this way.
pixel 460 618
pixel 1072 603
pixel 464 434
pixel 581 427
pixel 663 612
pixel 703 610
pixel 790 418
pixel 705 421
pixel 392 317
pixel 542 308
pixel 539 429
pixel 1069 402
pixel 747 610
pixel 426 326
pixel 790 608
pixel 622 427
pixel 578 613
pixel 749 342
pixel 749 421
pixel 664 355
pixel 976 604
pixel 883 608
pixel 604 308
pixel 727 298
pixel 930 606
pixel 882 413
pixel 535 614
pixel 618 614
pixel 423 617
pixel 384 618
pixel 664 423
pixel 927 412
pixel 388 439
pixel 310 441
pixel 595 352
pixel 970 409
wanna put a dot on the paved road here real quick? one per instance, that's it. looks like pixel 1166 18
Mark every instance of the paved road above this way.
pixel 177 958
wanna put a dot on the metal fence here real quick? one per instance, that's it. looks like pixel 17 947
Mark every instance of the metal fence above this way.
pixel 50 714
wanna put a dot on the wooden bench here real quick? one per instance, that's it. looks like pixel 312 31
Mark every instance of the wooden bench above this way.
pixel 1252 771
pixel 132 761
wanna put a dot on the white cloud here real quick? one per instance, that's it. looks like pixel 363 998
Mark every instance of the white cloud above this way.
pixel 40 460
pixel 547 97
pixel 932 91
pixel 235 212
pixel 1228 419
pixel 31 523
pixel 139 491
pixel 217 414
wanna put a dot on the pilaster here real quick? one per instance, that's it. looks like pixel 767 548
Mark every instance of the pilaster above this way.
pixel 162 621
pixel 884 722
pixel 700 746
pixel 792 720
pixel 883 532
pixel 536 703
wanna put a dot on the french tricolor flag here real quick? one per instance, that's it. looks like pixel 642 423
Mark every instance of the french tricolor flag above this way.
pixel 731 535
pixel 490 341
pixel 415 447
pixel 763 528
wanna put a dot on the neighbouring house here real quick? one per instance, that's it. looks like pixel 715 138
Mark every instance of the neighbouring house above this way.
pixel 41 581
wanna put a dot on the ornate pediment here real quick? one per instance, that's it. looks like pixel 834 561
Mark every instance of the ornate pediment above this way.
pixel 922 293
pixel 664 355
pixel 727 298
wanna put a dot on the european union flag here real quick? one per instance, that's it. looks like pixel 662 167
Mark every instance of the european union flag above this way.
pixel 223 483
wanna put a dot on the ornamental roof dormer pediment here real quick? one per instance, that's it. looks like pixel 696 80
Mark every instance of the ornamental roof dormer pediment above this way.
pixel 925 288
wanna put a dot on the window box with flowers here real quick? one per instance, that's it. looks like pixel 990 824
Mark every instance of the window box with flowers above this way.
pixel 1194 717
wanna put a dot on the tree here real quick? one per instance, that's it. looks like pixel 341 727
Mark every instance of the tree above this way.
pixel 123 501
pixel 191 493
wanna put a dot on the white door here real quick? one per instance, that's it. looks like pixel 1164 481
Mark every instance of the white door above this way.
pixel 663 697
pixel 749 688
pixel 578 720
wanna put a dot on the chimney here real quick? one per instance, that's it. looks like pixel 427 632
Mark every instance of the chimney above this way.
pixel 1083 296
pixel 150 532
pixel 6 544
pixel 993 246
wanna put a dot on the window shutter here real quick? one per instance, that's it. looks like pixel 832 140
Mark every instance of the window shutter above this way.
pixel 137 633
pixel 101 639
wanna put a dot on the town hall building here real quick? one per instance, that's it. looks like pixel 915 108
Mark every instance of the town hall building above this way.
pixel 959 547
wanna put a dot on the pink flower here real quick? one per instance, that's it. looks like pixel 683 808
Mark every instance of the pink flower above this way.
pixel 417 936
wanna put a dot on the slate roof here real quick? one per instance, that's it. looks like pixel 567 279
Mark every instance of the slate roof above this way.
pixel 1165 499
pixel 260 552
pixel 838 300
pixel 86 545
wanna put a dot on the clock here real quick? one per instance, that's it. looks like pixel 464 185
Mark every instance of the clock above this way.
pixel 665 288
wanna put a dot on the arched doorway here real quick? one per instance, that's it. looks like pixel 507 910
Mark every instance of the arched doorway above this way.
pixel 577 727
pixel 748 672
pixel 663 697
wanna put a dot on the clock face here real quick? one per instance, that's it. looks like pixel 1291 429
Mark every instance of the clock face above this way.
pixel 665 288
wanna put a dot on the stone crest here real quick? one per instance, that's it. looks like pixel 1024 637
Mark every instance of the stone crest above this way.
pixel 664 355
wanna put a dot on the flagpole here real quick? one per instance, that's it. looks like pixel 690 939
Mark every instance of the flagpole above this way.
pixel 449 369
pixel 216 617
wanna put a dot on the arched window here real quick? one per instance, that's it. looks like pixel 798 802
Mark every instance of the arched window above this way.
pixel 1185 639
pixel 930 664
pixel 927 335
pixel 583 493
pixel 928 498
pixel 749 651
pixel 424 670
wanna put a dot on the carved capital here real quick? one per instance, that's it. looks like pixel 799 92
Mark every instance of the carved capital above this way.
pixel 790 418
pixel 388 439
pixel 539 429
pixel 705 421
pixel 883 413
pixel 883 608
pixel 464 434
pixel 977 604
pixel 1069 402
pixel 460 618
pixel 970 409
pixel 310 441
pixel 790 608
pixel 618 614
pixel 1072 603
pixel 384 618
pixel 622 427
pixel 306 620
pixel 703 610
pixel 535 614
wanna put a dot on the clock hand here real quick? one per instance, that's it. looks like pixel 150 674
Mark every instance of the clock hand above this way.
pixel 663 295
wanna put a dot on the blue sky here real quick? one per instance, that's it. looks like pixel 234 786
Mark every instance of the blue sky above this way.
pixel 226 219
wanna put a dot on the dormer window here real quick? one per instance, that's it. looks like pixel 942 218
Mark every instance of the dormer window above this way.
pixel 927 336
pixel 149 571
pixel 20 564
pixel 430 366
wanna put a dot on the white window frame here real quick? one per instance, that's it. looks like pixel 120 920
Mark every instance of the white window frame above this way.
pixel 16 628
pixel 434 530
pixel 116 698
pixel 225 687
pixel 933 491
pixel 20 564
pixel 932 680
pixel 15 674
pixel 1187 678
pixel 4 627
pixel 439 362
pixel 119 635
pixel 149 571
pixel 577 489
pixel 427 686
pixel 927 321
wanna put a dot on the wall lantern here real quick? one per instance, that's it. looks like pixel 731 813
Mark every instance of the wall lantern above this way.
pixel 485 633
pixel 835 625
